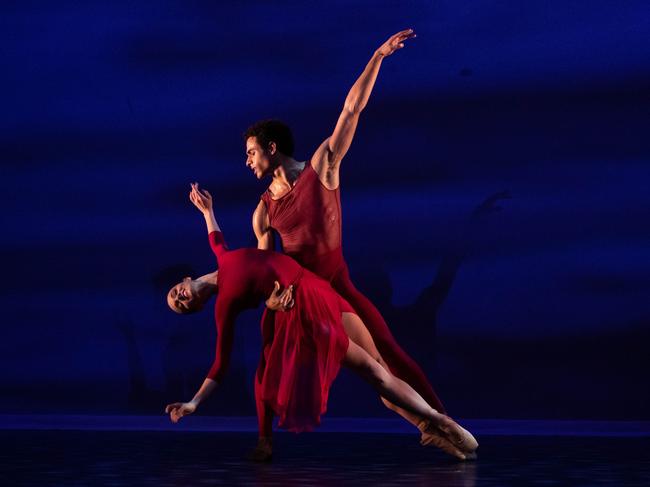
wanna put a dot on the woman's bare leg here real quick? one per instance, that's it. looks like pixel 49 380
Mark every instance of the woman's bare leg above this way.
pixel 359 334
pixel 395 390
pixel 399 395
pixel 430 434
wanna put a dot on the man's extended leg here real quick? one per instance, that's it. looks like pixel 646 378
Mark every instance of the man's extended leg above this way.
pixel 263 452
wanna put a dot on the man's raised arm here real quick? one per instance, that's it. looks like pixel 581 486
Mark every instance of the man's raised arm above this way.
pixel 329 155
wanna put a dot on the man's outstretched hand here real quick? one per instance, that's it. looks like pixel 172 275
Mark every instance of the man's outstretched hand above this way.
pixel 395 42
pixel 280 301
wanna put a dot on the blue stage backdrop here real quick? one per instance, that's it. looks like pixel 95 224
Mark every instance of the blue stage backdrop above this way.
pixel 496 198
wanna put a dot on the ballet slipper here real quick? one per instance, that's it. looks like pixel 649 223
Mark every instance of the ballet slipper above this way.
pixel 263 452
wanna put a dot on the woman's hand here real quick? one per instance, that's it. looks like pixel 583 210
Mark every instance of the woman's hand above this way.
pixel 280 301
pixel 179 409
pixel 201 198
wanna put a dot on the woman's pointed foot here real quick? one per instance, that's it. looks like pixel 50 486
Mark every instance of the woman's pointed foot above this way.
pixel 446 427
pixel 433 437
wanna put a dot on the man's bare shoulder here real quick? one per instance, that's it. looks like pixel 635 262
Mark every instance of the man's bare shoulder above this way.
pixel 321 156
pixel 326 168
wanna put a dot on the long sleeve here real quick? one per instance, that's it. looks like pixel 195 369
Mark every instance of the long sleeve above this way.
pixel 225 314
pixel 217 244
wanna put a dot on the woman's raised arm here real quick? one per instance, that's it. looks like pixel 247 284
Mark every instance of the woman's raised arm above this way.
pixel 202 199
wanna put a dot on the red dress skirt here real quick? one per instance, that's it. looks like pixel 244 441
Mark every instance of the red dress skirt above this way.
pixel 303 353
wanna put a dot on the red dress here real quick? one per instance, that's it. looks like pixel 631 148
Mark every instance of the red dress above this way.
pixel 308 220
pixel 308 342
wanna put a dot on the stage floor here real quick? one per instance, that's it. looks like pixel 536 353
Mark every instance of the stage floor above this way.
pixel 189 458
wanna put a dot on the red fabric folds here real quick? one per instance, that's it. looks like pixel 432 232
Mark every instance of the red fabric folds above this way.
pixel 305 355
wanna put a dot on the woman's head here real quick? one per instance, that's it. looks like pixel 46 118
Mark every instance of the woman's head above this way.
pixel 185 297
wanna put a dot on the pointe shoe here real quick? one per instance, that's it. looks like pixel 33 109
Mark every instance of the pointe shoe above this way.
pixel 458 435
pixel 432 437
pixel 471 456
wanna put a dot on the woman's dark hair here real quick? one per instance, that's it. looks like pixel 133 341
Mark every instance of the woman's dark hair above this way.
pixel 266 131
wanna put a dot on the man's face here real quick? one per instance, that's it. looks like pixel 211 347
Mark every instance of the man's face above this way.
pixel 257 159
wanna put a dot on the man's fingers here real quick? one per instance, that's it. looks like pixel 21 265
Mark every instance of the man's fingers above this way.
pixel 407 33
pixel 403 32
pixel 402 36
pixel 286 294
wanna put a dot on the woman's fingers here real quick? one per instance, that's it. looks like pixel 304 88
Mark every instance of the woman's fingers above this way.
pixel 171 407
pixel 177 413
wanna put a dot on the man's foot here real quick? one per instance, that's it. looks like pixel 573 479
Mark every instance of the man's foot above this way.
pixel 263 452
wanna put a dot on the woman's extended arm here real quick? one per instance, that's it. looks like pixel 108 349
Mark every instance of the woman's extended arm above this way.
pixel 202 199
pixel 225 315
pixel 179 409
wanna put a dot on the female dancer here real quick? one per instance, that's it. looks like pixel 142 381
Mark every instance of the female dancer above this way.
pixel 308 343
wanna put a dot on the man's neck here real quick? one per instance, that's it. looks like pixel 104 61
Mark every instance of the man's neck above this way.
pixel 285 174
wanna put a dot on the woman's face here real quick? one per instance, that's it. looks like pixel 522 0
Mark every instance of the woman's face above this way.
pixel 182 298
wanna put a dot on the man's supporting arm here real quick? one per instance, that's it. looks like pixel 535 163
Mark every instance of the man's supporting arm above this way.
pixel 262 227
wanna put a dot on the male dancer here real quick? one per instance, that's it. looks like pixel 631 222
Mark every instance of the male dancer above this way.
pixel 303 205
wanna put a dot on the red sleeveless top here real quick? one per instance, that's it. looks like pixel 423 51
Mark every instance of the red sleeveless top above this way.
pixel 308 220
